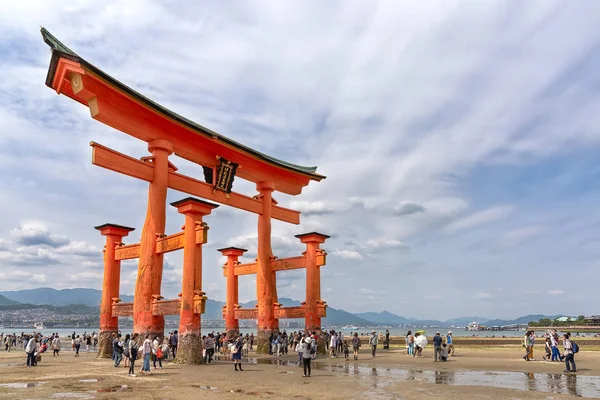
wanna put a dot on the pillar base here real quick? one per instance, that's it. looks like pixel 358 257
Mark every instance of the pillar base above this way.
pixel 322 338
pixel 189 350
pixel 262 344
pixel 231 333
pixel 105 343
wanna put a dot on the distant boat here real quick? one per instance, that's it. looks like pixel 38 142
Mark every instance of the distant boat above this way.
pixel 473 326
pixel 350 327
pixel 39 326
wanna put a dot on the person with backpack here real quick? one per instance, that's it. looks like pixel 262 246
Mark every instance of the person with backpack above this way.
pixel 133 353
pixel 156 353
pixel 570 349
pixel 308 349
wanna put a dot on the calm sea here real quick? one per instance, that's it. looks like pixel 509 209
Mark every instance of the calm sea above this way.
pixel 63 332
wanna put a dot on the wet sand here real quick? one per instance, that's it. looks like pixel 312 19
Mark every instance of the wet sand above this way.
pixel 472 374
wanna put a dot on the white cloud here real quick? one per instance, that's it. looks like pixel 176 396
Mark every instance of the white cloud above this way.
pixel 347 254
pixel 410 149
pixel 479 218
pixel 484 296
pixel 556 292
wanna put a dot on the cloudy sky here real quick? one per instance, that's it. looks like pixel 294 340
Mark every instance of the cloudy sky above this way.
pixel 459 140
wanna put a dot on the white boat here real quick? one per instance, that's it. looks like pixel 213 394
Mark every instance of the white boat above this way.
pixel 473 326
pixel 39 326
pixel 350 328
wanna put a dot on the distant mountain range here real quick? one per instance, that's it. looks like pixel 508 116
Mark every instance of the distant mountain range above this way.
pixel 66 298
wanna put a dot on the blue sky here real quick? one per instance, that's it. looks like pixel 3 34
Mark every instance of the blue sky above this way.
pixel 459 139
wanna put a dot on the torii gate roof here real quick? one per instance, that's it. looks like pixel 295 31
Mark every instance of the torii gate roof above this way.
pixel 117 105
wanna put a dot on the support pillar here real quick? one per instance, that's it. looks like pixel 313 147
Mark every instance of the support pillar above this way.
pixel 150 265
pixel 232 300
pixel 110 286
pixel 265 276
pixel 189 350
pixel 312 319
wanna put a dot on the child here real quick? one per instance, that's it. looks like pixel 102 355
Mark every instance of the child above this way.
pixel 346 351
pixel 444 352
pixel 548 348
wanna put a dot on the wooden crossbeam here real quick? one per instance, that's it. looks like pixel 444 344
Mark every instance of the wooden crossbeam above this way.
pixel 113 160
pixel 127 252
pixel 163 245
pixel 280 312
pixel 122 309
pixel 279 264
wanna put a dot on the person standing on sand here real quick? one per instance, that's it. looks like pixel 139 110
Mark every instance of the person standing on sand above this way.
pixel 30 351
pixel 156 349
pixel 554 343
pixel 437 347
pixel 147 350
pixel 450 343
pixel 308 347
pixel 133 353
pixel 236 356
pixel 373 341
pixel 386 343
pixel 174 341
pixel 528 345
pixel 411 343
pixel 126 350
pixel 209 345
pixel 356 345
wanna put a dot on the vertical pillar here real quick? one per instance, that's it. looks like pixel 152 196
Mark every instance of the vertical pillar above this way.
pixel 110 286
pixel 232 300
pixel 150 265
pixel 312 319
pixel 189 349
pixel 265 277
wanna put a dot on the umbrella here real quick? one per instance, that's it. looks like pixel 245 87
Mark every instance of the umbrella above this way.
pixel 421 332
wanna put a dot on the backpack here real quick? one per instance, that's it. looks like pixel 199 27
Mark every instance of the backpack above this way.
pixel 309 346
pixel 574 347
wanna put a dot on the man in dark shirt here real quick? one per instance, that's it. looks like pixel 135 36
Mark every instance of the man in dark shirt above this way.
pixel 437 347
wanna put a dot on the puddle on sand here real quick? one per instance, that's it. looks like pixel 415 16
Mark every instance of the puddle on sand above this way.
pixel 88 380
pixel 112 389
pixel 580 386
pixel 20 385
pixel 72 395
pixel 12 365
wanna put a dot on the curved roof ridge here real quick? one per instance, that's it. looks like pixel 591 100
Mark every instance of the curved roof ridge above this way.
pixel 57 46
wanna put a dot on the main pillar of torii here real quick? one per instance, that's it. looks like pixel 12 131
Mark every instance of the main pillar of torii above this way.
pixel 110 287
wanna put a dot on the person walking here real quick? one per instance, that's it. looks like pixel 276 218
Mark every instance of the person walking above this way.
pixel 30 351
pixel 77 344
pixel 308 348
pixel 126 350
pixel 56 346
pixel 569 354
pixel 174 341
pixel 356 345
pixel 133 353
pixel 373 341
pixel 450 343
pixel 554 343
pixel 210 347
pixel 146 351
pixel 118 350
pixel 437 347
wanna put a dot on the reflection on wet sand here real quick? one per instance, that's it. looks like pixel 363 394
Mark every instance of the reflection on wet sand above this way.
pixel 581 386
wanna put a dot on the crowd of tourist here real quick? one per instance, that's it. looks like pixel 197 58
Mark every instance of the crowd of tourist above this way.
pixel 551 344
pixel 153 350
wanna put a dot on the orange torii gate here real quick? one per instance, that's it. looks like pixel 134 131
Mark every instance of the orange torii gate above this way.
pixel 222 159
pixel 312 309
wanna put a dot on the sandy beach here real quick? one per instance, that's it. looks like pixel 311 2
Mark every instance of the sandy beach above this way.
pixel 473 373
